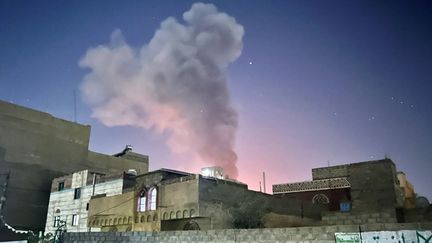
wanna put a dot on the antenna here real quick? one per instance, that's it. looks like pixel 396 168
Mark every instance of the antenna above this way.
pixel 75 106
pixel 264 182
pixel 260 186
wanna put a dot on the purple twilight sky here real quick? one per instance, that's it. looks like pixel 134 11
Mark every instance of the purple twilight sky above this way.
pixel 317 82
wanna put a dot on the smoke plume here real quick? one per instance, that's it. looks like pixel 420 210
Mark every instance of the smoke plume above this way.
pixel 175 84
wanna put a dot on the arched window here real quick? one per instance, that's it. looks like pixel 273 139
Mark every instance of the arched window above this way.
pixel 185 214
pixel 142 201
pixel 320 199
pixel 191 225
pixel 152 194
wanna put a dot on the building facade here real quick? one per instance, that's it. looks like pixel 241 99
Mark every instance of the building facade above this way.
pixel 172 200
pixel 35 148
pixel 358 190
pixel 71 194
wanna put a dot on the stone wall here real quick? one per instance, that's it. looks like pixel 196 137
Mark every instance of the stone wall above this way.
pixel 338 218
pixel 300 234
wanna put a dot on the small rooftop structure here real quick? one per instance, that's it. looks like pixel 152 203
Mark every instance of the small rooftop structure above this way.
pixel 214 171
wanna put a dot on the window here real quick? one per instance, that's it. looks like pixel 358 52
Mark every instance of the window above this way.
pixel 152 198
pixel 320 199
pixel 56 221
pixel 77 193
pixel 142 201
pixel 75 219
pixel 61 186
pixel 87 206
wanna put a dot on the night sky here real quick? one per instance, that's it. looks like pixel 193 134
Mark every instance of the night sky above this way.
pixel 317 83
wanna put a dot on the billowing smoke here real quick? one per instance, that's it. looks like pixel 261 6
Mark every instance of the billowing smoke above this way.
pixel 175 84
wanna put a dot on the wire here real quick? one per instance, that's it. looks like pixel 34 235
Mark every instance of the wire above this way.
pixel 113 206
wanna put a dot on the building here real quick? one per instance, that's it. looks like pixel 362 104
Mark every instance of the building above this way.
pixel 173 200
pixel 35 148
pixel 407 190
pixel 70 196
pixel 363 192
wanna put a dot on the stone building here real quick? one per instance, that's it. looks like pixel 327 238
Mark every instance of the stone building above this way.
pixel 35 148
pixel 70 197
pixel 367 191
pixel 173 200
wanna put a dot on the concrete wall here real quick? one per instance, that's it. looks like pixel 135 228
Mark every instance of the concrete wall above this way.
pixel 300 234
pixel 35 148
pixel 110 164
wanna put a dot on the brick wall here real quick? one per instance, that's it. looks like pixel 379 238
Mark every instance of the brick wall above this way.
pixel 303 234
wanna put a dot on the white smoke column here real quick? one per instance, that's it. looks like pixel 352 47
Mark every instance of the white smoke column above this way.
pixel 176 84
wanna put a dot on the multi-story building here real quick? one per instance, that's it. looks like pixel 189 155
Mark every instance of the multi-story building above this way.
pixel 35 148
pixel 174 200
pixel 71 194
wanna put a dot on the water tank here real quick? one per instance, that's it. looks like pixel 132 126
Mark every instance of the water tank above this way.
pixel 132 172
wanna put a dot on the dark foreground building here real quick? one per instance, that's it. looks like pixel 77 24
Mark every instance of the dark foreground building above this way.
pixel 35 148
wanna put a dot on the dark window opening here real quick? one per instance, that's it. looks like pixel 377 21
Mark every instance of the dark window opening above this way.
pixel 61 186
pixel 56 221
pixel 77 193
